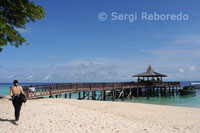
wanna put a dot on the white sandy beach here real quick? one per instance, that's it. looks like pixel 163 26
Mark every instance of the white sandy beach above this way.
pixel 84 116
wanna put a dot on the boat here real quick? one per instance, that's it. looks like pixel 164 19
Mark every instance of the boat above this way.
pixel 187 90
pixel 196 85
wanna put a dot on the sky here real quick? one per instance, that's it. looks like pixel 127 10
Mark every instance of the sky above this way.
pixel 73 44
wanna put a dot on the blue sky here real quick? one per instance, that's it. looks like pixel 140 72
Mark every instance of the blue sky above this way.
pixel 71 45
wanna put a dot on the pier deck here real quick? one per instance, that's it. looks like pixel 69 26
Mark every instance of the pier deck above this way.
pixel 116 89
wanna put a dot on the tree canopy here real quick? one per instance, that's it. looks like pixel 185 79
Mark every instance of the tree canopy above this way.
pixel 15 14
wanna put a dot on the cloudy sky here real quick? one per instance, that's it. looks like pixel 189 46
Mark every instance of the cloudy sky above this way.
pixel 71 44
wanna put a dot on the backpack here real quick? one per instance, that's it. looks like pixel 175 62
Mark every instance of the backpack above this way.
pixel 22 98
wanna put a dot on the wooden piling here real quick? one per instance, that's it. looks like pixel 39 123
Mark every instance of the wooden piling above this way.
pixel 70 95
pixel 177 90
pixel 131 90
pixel 122 96
pixel 148 91
pixel 93 95
pixel 79 95
pixel 129 94
pixel 165 92
pixel 103 95
pixel 65 95
pixel 88 95
pixel 84 95
pixel 157 92
pixel 113 94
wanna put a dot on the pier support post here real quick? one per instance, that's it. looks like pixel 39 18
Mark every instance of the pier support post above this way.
pixel 148 90
pixel 70 95
pixel 65 95
pixel 79 95
pixel 130 94
pixel 56 96
pixel 93 95
pixel 113 95
pixel 153 91
pixel 103 95
pixel 131 89
pixel 157 92
pixel 84 95
pixel 177 89
pixel 165 91
pixel 88 95
pixel 122 98
pixel 173 91
pixel 161 91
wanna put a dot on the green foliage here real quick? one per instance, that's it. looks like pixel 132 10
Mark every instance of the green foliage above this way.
pixel 16 14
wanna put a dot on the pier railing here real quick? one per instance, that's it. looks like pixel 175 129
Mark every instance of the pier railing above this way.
pixel 51 89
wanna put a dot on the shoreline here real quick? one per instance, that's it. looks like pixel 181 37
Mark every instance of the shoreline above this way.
pixel 160 104
pixel 61 115
pixel 125 101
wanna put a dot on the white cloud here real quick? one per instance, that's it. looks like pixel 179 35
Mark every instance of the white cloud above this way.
pixel 47 77
pixel 187 39
pixel 103 70
pixel 9 76
pixel 29 77
pixel 83 62
pixel 192 68
pixel 181 70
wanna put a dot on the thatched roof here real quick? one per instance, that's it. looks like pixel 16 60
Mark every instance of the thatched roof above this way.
pixel 150 73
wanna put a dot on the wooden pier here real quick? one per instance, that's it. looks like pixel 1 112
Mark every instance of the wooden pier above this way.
pixel 148 86
pixel 116 90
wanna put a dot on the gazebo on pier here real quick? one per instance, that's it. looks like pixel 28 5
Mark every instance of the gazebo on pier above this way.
pixel 150 75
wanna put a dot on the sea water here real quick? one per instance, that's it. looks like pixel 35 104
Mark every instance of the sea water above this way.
pixel 185 101
pixel 5 87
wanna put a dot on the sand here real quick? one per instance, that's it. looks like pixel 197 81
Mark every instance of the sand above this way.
pixel 85 116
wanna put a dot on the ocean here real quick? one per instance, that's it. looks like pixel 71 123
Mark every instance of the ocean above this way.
pixel 185 101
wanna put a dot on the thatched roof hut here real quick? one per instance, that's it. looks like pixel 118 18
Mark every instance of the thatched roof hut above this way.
pixel 150 73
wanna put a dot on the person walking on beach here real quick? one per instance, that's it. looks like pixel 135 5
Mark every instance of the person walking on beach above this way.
pixel 15 91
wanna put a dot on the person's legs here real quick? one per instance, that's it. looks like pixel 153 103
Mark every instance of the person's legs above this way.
pixel 18 108
pixel 17 105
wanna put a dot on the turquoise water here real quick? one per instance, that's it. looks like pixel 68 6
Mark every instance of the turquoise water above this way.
pixel 186 101
pixel 5 87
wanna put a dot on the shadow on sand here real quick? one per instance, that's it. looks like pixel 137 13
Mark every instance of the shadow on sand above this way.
pixel 7 120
